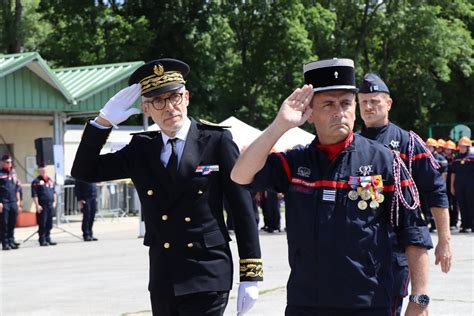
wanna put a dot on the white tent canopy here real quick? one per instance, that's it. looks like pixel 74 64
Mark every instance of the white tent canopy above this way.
pixel 245 134
pixel 242 133
pixel 293 137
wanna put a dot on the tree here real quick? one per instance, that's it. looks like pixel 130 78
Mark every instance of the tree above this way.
pixel 11 38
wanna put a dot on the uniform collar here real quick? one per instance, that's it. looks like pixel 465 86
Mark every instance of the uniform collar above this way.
pixel 332 151
pixel 182 134
pixel 373 132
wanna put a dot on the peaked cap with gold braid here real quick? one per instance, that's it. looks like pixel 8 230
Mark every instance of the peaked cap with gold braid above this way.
pixel 160 76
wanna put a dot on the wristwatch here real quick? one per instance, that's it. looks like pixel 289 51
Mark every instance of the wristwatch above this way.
pixel 421 299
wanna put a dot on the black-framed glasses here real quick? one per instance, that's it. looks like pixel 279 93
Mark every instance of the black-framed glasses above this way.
pixel 160 103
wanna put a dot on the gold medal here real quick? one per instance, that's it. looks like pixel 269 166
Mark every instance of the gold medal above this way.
pixel 380 198
pixel 353 195
pixel 362 205
pixel 374 204
pixel 365 195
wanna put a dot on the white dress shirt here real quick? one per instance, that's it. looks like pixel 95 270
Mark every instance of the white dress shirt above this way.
pixel 180 141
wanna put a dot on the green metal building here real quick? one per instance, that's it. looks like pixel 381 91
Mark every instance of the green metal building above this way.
pixel 37 101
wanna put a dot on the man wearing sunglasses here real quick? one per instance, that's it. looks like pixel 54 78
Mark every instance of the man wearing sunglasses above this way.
pixel 181 174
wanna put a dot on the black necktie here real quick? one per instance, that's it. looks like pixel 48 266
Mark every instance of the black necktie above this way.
pixel 172 165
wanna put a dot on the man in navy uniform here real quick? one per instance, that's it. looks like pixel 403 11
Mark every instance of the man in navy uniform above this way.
pixel 375 104
pixel 431 145
pixel 9 202
pixel 348 195
pixel 181 174
pixel 44 198
pixel 86 194
pixel 462 183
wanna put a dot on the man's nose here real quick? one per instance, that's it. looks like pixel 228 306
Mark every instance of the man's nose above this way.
pixel 338 110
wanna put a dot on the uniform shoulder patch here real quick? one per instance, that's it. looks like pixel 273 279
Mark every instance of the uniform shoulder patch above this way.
pixel 210 124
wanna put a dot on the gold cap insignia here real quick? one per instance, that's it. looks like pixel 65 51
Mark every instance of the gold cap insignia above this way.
pixel 159 70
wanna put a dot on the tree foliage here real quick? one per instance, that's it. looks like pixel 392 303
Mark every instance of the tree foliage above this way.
pixel 246 56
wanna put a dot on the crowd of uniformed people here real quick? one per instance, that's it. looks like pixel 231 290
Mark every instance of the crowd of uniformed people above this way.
pixel 457 167
pixel 43 194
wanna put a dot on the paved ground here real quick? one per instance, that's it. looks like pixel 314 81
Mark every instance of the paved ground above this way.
pixel 109 277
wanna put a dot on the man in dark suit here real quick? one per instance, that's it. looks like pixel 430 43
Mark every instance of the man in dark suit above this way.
pixel 181 174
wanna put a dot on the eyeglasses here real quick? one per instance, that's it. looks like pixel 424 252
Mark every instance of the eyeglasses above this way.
pixel 160 103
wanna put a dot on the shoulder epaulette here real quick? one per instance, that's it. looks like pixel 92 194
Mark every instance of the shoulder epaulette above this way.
pixel 210 124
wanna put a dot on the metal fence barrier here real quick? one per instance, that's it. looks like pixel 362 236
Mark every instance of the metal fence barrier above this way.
pixel 114 199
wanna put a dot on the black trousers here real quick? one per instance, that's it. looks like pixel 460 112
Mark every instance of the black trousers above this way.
pixel 88 216
pixel 314 311
pixel 465 198
pixel 204 303
pixel 45 222
pixel 8 223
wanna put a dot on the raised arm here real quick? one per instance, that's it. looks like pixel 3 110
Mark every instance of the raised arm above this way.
pixel 294 111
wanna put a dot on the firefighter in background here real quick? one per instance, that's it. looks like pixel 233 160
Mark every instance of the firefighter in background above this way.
pixel 270 203
pixel 462 183
pixel 440 146
pixel 44 198
pixel 9 202
pixel 450 152
pixel 432 145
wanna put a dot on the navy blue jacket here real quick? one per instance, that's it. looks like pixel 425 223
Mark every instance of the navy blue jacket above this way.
pixel 443 162
pixel 8 186
pixel 85 190
pixel 185 227
pixel 340 255
pixel 43 190
pixel 428 180
pixel 463 168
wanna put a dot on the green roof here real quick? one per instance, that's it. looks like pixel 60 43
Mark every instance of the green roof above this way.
pixel 34 62
pixel 83 82
pixel 28 83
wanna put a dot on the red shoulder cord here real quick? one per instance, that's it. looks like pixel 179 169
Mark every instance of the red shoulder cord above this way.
pixel 398 197
pixel 411 148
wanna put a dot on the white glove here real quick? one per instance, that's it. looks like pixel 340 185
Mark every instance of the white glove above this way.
pixel 247 296
pixel 118 108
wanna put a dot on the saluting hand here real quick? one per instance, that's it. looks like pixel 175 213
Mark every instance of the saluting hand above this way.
pixel 119 108
pixel 296 109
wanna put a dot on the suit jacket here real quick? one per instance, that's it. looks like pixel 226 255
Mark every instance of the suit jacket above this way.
pixel 184 220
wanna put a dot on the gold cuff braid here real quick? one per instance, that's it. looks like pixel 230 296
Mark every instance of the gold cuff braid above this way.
pixel 251 270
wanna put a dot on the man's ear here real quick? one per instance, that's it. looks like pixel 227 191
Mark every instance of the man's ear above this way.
pixel 186 96
pixel 389 102
pixel 145 108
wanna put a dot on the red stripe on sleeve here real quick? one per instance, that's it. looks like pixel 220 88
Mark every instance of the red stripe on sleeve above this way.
pixel 415 157
pixel 285 165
